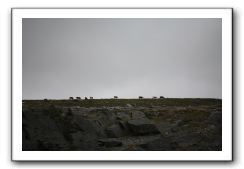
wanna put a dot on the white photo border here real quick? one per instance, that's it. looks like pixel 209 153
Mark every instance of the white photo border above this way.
pixel 19 13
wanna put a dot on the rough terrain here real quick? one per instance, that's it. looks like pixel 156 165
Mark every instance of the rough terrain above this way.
pixel 122 125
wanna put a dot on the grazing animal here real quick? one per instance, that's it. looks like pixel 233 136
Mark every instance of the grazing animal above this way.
pixel 71 98
pixel 140 97
pixel 86 98
pixel 78 98
pixel 161 97
pixel 91 97
pixel 115 97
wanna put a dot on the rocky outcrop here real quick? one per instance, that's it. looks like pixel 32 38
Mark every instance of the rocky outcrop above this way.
pixel 115 131
pixel 118 128
pixel 142 126
pixel 40 132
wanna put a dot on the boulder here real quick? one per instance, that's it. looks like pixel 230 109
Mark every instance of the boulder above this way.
pixel 114 131
pixel 137 115
pixel 90 126
pixel 142 126
pixel 124 116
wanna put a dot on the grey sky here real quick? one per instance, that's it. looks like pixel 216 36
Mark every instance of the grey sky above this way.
pixel 123 57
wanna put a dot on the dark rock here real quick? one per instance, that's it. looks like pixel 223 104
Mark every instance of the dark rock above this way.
pixel 114 131
pixel 137 115
pixel 110 142
pixel 83 141
pixel 142 126
pixel 158 144
pixel 90 126
pixel 124 116
pixel 123 125
pixel 41 132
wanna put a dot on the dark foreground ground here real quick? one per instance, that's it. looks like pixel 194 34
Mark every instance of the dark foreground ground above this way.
pixel 123 125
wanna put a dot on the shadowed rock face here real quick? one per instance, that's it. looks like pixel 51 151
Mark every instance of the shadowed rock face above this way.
pixel 142 126
pixel 153 125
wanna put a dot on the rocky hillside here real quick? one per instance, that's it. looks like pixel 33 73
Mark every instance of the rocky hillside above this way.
pixel 123 125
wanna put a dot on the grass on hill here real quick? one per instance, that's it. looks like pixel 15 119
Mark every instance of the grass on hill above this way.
pixel 124 102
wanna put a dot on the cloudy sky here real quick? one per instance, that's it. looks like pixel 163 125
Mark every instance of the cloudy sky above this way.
pixel 124 57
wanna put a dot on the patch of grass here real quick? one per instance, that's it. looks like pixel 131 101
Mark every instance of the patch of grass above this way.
pixel 195 115
pixel 123 102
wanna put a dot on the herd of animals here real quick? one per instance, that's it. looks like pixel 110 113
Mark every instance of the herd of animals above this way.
pixel 115 97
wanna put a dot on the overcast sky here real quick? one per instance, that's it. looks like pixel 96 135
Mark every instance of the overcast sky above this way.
pixel 123 57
